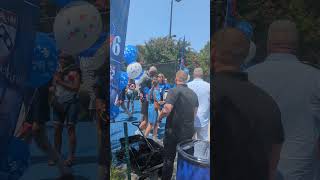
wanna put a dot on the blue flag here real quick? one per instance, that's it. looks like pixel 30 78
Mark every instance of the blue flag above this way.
pixel 119 12
pixel 18 18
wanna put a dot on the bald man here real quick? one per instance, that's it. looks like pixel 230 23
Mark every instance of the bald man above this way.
pixel 180 109
pixel 202 89
pixel 296 89
pixel 247 128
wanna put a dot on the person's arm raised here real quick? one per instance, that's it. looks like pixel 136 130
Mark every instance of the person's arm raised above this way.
pixel 170 101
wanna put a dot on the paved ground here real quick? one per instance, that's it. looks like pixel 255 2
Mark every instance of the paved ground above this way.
pixel 85 167
pixel 117 128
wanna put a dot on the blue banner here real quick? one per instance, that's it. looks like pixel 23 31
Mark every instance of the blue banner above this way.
pixel 18 20
pixel 119 12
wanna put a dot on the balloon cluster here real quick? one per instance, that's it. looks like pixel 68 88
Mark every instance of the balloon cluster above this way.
pixel 134 69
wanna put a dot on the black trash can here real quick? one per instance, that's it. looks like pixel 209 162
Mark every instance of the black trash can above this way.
pixel 193 160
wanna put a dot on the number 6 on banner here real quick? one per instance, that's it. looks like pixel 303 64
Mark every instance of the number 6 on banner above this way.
pixel 116 45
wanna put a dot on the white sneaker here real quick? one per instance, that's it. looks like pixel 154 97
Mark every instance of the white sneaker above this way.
pixel 155 139
pixel 138 132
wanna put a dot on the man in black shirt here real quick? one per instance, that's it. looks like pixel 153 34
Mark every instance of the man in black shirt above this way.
pixel 181 108
pixel 247 129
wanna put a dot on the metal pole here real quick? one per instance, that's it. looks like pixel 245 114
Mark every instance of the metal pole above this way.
pixel 183 52
pixel 170 19
pixel 125 124
pixel 179 48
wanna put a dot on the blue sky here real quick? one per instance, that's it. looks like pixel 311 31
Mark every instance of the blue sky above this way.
pixel 151 18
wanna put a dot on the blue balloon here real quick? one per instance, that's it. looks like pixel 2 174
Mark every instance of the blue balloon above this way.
pixel 61 3
pixel 44 61
pixel 130 54
pixel 246 28
pixel 123 80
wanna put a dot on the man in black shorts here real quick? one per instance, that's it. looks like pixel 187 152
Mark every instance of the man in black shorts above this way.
pixel 247 128
pixel 181 108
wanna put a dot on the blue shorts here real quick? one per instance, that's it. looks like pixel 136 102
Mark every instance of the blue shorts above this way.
pixel 152 114
pixel 70 116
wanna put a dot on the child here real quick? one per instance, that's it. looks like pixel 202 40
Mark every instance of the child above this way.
pixel 154 106
pixel 131 94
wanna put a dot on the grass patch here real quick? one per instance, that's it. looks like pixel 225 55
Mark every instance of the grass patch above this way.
pixel 117 173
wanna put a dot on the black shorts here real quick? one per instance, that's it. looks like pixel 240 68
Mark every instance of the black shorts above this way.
pixel 144 107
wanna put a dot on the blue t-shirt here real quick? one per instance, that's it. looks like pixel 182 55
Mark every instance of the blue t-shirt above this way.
pixel 162 88
pixel 154 95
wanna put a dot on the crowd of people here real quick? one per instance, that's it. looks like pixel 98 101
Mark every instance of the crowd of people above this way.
pixel 266 116
pixel 185 105
pixel 152 90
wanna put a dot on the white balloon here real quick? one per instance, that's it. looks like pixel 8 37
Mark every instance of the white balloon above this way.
pixel 134 70
pixel 77 27
pixel 252 52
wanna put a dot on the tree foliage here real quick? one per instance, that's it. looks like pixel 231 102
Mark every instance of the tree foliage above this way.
pixel 163 53
pixel 204 59
pixel 305 13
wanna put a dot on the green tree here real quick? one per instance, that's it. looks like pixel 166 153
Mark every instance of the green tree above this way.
pixel 163 53
pixel 160 50
pixel 203 60
pixel 305 13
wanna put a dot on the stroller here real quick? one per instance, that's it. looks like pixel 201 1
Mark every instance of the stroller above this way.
pixel 146 156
